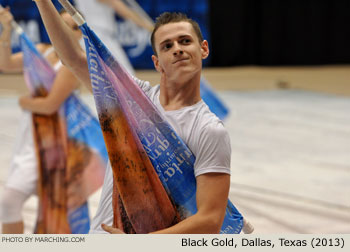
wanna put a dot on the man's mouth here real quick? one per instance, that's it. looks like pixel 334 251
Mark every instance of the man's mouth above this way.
pixel 179 60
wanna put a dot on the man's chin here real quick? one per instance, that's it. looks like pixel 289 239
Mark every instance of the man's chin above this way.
pixel 183 76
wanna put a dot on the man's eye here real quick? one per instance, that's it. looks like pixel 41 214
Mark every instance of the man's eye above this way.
pixel 167 46
pixel 186 41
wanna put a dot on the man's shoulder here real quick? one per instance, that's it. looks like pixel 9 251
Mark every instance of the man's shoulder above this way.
pixel 146 86
pixel 209 125
pixel 139 81
pixel 214 129
pixel 209 121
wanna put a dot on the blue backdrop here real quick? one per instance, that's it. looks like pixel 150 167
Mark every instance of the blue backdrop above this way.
pixel 135 40
pixel 26 14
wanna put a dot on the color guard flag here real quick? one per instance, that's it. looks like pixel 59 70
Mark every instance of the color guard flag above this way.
pixel 154 183
pixel 70 150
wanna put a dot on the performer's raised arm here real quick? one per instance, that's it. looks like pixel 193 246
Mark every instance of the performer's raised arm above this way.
pixel 127 13
pixel 8 62
pixel 62 38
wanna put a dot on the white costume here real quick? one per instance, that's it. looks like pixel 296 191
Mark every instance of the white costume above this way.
pixel 100 18
pixel 23 174
pixel 200 130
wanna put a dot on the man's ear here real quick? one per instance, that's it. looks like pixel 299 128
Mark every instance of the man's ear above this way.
pixel 156 63
pixel 204 49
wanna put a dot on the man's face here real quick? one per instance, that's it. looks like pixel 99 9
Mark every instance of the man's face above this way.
pixel 179 51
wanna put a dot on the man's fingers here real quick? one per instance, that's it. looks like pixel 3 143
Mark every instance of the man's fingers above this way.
pixel 106 228
pixel 111 230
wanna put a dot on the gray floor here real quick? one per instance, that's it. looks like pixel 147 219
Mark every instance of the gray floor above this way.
pixel 290 159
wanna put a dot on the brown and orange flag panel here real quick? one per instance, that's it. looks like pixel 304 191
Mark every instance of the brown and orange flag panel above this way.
pixel 70 150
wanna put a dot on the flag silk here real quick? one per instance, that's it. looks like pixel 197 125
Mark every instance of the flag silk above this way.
pixel 212 100
pixel 153 169
pixel 70 151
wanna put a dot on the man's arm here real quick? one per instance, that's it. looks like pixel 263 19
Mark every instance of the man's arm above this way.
pixel 62 38
pixel 8 61
pixel 125 12
pixel 64 84
pixel 212 195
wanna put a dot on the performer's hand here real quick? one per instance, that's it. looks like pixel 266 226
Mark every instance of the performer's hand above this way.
pixel 111 230
pixel 24 100
pixel 6 18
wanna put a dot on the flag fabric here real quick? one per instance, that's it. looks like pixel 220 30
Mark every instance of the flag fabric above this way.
pixel 70 151
pixel 214 103
pixel 144 150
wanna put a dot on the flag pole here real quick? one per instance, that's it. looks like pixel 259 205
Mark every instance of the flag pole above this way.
pixel 72 11
pixel 136 7
pixel 15 26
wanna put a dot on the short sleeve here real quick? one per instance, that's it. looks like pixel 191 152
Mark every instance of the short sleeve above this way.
pixel 214 151
pixel 144 85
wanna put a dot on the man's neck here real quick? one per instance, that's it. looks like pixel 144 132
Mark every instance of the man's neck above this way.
pixel 174 96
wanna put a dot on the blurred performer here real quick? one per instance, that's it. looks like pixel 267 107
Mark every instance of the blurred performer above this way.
pixel 100 17
pixel 23 175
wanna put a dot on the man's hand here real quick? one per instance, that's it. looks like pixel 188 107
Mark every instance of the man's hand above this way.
pixel 111 230
pixel 24 100
pixel 6 18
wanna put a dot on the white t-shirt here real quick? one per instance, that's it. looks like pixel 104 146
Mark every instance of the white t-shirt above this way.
pixel 200 130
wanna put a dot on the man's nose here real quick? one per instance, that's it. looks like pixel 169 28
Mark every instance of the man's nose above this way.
pixel 177 49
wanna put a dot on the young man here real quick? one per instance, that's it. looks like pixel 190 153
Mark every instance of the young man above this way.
pixel 178 53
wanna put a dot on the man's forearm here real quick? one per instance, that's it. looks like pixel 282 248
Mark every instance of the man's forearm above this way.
pixel 5 48
pixel 63 40
pixel 127 13
pixel 211 196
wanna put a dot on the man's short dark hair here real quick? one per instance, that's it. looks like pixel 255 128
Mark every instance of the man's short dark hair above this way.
pixel 174 17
